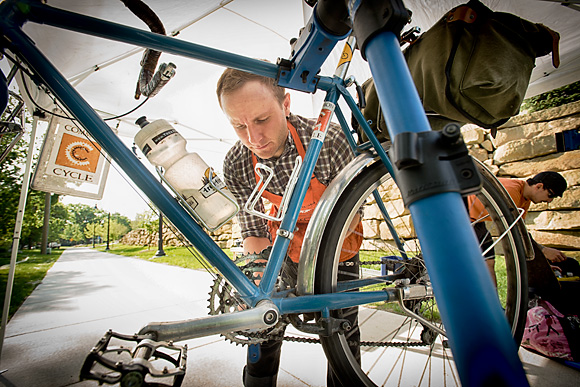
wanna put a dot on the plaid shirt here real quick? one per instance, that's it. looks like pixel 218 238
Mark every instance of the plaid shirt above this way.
pixel 241 180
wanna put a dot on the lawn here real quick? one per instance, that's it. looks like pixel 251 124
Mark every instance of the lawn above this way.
pixel 176 256
pixel 500 272
pixel 30 270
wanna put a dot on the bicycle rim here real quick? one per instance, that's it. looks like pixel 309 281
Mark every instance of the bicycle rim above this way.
pixel 404 343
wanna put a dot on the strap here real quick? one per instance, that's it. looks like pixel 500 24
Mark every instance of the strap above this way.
pixel 555 45
pixel 296 138
pixel 462 13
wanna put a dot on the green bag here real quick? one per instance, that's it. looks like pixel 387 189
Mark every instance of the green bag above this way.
pixel 473 65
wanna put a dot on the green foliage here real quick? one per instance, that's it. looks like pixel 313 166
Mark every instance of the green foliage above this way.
pixel 115 228
pixel 11 177
pixel 84 221
pixel 149 220
pixel 33 221
pixel 59 217
pixel 176 256
pixel 556 97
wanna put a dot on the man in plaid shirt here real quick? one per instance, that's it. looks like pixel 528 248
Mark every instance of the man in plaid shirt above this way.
pixel 268 133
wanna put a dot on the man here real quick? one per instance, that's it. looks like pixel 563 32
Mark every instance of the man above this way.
pixel 542 188
pixel 259 112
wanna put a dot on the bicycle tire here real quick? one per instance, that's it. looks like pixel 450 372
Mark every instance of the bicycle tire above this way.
pixel 401 359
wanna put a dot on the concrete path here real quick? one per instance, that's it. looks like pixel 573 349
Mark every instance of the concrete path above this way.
pixel 88 292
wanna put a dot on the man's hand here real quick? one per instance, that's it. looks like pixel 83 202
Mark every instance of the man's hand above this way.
pixel 255 245
pixel 553 255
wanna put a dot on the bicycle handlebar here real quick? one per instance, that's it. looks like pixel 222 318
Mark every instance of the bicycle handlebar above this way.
pixel 150 82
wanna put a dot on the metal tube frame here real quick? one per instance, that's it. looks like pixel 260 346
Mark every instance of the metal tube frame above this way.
pixel 81 110
pixel 484 336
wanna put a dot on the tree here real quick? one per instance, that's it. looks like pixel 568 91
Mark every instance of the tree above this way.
pixel 33 220
pixel 118 230
pixel 122 220
pixel 10 182
pixel 11 178
pixel 59 217
pixel 148 220
pixel 553 98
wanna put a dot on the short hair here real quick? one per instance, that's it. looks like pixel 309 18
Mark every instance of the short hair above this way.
pixel 232 80
pixel 551 180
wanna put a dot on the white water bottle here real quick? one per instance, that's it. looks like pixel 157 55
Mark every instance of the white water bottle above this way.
pixel 187 173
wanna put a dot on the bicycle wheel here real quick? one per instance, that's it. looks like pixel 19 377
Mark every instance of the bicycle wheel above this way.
pixel 405 342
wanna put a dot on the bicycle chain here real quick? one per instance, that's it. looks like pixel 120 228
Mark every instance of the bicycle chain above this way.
pixel 361 263
pixel 223 299
pixel 373 344
pixel 227 299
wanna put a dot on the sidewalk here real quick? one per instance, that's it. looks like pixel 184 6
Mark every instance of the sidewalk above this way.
pixel 87 292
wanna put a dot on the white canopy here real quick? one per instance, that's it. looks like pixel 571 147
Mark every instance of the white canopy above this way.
pixel 106 73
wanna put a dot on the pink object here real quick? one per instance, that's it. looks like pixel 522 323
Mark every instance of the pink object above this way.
pixel 544 333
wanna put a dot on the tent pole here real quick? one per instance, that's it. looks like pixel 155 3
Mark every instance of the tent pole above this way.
pixel 17 230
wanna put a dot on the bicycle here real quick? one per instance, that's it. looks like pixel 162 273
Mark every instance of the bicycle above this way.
pixel 432 180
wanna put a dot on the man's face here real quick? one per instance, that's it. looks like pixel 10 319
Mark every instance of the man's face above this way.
pixel 258 118
pixel 540 194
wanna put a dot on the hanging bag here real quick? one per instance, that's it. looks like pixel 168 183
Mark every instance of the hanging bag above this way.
pixel 473 65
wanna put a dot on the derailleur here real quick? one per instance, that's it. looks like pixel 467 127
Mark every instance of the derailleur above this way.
pixel 149 364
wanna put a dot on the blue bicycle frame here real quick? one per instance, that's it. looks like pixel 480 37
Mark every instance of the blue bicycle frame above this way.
pixel 450 248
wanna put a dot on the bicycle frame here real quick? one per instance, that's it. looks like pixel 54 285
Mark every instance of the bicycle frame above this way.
pixel 434 220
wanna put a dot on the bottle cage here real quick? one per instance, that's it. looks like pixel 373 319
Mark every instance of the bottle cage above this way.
pixel 261 187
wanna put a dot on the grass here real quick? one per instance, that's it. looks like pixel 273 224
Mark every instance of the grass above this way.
pixel 433 311
pixel 176 256
pixel 33 266
pixel 29 272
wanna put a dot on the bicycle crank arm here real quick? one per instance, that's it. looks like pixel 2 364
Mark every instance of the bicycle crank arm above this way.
pixel 263 316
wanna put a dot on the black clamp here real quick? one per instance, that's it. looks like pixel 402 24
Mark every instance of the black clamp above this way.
pixel 428 163
pixel 375 16
pixel 365 17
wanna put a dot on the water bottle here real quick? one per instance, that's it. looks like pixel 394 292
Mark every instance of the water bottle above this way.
pixel 187 173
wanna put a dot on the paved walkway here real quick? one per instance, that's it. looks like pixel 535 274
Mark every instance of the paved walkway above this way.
pixel 88 292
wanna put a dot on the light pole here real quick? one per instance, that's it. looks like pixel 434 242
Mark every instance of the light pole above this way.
pixel 160 252
pixel 94 221
pixel 108 228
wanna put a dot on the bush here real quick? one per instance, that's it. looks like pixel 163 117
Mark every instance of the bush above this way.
pixel 556 97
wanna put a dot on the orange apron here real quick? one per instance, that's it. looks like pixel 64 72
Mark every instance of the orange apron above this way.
pixel 352 242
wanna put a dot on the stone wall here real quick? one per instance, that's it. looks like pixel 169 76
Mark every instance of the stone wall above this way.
pixel 224 236
pixel 522 147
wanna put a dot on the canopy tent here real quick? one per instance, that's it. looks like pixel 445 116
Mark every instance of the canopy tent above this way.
pixel 105 73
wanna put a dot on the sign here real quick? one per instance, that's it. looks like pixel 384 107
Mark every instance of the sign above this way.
pixel 71 162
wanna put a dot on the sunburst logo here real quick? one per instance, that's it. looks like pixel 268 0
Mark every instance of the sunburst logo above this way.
pixel 78 153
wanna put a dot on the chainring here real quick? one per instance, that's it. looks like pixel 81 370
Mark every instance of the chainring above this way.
pixel 224 299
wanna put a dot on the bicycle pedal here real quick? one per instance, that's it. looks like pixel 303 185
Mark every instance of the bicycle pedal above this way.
pixel 162 362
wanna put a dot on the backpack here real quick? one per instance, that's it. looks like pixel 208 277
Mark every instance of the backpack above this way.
pixel 551 333
pixel 473 65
